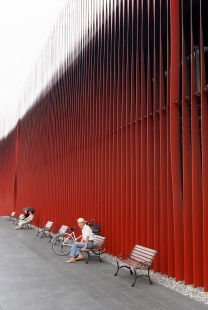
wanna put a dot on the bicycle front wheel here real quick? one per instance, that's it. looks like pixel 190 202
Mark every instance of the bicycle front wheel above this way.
pixel 62 244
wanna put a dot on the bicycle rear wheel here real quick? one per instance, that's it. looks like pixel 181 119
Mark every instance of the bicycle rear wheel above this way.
pixel 62 244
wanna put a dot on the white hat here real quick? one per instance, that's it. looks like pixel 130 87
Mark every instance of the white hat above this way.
pixel 80 220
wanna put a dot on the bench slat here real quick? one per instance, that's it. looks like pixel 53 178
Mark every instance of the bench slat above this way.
pixel 63 229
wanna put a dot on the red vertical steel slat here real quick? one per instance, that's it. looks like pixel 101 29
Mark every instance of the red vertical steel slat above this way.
pixel 128 125
pixel 171 245
pixel 163 160
pixel 111 118
pixel 143 222
pixel 88 209
pixel 204 131
pixel 138 126
pixel 187 175
pixel 99 125
pixel 84 128
pixel 197 203
pixel 102 134
pixel 118 147
pixel 87 142
pixel 105 138
pixel 108 134
pixel 156 149
pixel 96 124
pixel 114 125
pixel 174 140
pixel 150 139
pixel 15 182
pixel 123 130
pixel 133 219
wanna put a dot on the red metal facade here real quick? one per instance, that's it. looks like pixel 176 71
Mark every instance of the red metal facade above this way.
pixel 122 138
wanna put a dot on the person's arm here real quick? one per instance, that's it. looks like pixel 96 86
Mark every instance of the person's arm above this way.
pixel 29 218
pixel 86 243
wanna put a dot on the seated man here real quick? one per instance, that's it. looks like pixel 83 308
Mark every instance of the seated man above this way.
pixel 86 242
pixel 26 220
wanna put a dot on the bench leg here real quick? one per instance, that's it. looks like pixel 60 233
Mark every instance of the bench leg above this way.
pixel 51 237
pixel 88 257
pixel 95 255
pixel 150 281
pixel 135 278
pixel 98 255
pixel 119 267
pixel 38 232
pixel 142 275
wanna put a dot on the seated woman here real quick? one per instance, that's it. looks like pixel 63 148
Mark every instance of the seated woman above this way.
pixel 24 217
pixel 28 219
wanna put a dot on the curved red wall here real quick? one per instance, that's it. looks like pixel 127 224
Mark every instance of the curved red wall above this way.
pixel 120 138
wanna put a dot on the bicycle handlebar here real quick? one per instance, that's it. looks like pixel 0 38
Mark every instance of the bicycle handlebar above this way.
pixel 72 228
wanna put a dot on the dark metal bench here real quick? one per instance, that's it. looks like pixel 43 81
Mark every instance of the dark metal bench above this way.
pixel 45 230
pixel 96 249
pixel 141 258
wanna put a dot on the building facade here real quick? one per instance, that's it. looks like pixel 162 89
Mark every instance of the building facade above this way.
pixel 122 137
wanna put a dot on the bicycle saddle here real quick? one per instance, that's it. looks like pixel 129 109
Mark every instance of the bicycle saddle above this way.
pixel 72 228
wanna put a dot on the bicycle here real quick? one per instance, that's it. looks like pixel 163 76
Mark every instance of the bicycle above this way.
pixel 62 243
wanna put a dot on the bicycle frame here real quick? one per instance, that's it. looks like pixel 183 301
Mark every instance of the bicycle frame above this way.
pixel 70 235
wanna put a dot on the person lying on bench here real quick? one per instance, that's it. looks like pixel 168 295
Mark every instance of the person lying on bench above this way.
pixel 25 221
pixel 86 242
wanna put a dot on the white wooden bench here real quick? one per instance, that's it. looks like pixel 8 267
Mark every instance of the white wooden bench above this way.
pixel 45 229
pixel 141 258
pixel 96 249
pixel 10 216
pixel 17 219
pixel 61 230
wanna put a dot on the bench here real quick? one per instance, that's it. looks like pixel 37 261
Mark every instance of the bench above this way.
pixel 141 258
pixel 45 229
pixel 61 230
pixel 17 219
pixel 27 225
pixel 96 249
pixel 10 216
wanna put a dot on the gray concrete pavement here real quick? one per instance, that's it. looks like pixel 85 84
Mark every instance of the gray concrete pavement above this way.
pixel 33 277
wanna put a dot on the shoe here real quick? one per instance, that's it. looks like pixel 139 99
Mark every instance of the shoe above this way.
pixel 71 260
pixel 16 228
pixel 80 257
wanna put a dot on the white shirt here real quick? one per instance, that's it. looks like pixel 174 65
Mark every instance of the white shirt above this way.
pixel 87 232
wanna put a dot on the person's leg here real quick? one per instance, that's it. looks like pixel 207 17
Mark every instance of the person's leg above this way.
pixel 75 250
pixel 20 224
pixel 81 256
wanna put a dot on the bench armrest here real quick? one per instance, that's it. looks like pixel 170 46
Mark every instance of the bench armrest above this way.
pixel 123 256
pixel 44 228
pixel 143 265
